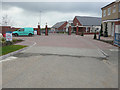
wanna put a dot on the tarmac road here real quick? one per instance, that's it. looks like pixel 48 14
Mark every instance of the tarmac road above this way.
pixel 60 61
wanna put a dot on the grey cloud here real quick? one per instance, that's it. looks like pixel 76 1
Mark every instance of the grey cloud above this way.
pixel 65 7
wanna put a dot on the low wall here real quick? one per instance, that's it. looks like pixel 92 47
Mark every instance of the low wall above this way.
pixel 4 29
pixel 88 33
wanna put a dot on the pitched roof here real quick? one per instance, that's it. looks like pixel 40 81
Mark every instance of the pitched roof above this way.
pixel 89 21
pixel 111 3
pixel 57 25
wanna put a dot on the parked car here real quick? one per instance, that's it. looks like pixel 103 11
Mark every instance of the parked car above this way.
pixel 24 32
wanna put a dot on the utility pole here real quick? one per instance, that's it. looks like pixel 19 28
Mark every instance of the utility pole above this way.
pixel 40 17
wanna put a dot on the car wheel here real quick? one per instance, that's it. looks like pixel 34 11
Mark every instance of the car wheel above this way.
pixel 15 34
pixel 30 34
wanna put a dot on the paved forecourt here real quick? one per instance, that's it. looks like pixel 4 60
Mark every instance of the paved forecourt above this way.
pixel 60 61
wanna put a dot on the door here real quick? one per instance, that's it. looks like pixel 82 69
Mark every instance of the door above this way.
pixel 21 31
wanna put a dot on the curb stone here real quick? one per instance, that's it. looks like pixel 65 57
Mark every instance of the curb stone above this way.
pixel 12 53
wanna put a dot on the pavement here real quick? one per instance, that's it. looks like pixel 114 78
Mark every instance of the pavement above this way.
pixel 62 61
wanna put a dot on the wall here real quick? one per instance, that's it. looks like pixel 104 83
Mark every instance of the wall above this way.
pixel 115 15
pixel 4 29
pixel 62 26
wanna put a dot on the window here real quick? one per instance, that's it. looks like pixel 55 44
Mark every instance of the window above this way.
pixel 109 11
pixel 104 13
pixel 97 29
pixel 119 7
pixel 21 29
pixel 114 9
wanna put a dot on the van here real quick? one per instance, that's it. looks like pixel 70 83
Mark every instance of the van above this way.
pixel 23 32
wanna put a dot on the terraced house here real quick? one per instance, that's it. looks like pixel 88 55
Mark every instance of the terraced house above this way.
pixel 111 17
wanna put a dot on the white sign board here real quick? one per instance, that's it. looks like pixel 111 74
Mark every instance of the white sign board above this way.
pixel 117 28
pixel 8 36
pixel 35 32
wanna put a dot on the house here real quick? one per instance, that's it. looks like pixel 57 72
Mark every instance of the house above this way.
pixel 60 26
pixel 87 24
pixel 111 17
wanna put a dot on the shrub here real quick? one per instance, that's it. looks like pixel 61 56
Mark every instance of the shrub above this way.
pixel 101 30
pixel 106 31
pixel 82 34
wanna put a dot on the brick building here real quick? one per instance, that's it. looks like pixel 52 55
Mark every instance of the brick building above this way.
pixel 87 24
pixel 111 17
pixel 59 27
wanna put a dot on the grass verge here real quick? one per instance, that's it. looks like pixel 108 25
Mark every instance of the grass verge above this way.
pixel 8 49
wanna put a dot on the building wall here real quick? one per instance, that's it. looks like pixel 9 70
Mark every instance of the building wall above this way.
pixel 115 15
pixel 62 27
pixel 109 27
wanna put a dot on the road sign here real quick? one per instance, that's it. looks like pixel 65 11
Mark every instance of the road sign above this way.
pixel 8 36
pixel 35 32
pixel 117 35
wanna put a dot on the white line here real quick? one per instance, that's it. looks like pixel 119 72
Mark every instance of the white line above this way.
pixel 8 59
pixel 114 50
pixel 103 52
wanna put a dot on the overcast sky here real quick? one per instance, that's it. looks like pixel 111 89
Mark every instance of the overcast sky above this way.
pixel 27 14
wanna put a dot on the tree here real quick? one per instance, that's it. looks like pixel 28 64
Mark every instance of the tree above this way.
pixel 106 31
pixel 101 30
pixel 6 20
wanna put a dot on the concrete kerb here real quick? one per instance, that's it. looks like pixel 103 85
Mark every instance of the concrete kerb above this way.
pixel 105 54
pixel 15 52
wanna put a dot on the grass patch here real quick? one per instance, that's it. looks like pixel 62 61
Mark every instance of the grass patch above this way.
pixel 8 49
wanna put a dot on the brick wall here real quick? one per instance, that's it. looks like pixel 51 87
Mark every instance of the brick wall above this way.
pixel 4 29
pixel 62 26
pixel 75 21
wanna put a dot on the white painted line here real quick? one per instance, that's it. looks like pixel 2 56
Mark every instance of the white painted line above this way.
pixel 8 59
pixel 104 53
pixel 114 50
pixel 32 45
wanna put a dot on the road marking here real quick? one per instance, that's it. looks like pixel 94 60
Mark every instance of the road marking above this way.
pixel 105 54
pixel 114 50
pixel 9 58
